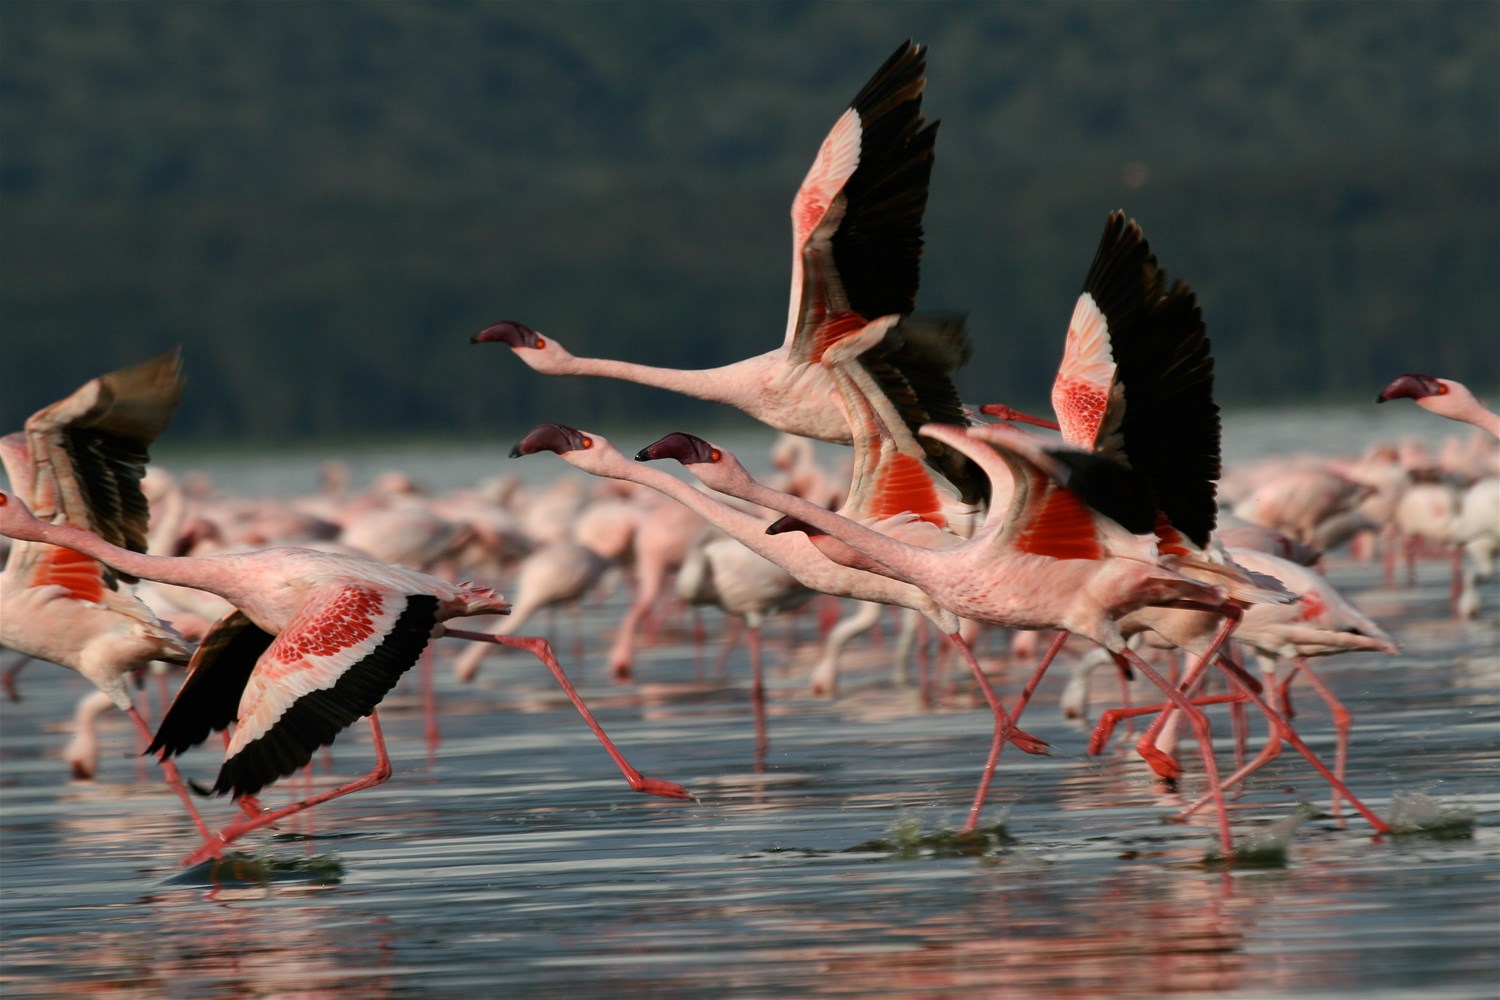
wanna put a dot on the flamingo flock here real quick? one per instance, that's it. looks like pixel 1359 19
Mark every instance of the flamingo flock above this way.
pixel 1115 523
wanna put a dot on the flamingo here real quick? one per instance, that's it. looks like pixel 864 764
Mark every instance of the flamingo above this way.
pixel 316 640
pixel 594 454
pixel 721 571
pixel 1136 385
pixel 80 462
pixel 663 538
pixel 856 249
pixel 1049 563
pixel 1129 333
pixel 1444 397
pixel 1321 622
pixel 562 572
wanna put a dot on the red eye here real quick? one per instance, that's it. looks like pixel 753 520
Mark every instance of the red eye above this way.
pixel 1442 389
pixel 541 342
pixel 715 455
pixel 588 442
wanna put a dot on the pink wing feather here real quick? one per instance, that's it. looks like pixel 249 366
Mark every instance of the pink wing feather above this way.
pixel 336 628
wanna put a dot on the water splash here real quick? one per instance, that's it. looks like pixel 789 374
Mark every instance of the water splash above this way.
pixel 1417 814
pixel 906 841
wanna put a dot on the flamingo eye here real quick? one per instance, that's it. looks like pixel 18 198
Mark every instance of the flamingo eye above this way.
pixel 1442 389
pixel 540 343
pixel 715 455
pixel 4 499
pixel 588 442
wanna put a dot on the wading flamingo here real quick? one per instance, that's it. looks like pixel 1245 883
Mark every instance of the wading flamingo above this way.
pixel 316 640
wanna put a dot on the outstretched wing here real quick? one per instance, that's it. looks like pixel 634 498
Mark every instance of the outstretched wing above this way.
pixel 209 699
pixel 333 663
pixel 1136 381
pixel 88 452
pixel 890 472
pixel 857 218
pixel 1057 495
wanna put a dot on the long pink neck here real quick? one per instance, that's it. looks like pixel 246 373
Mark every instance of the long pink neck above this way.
pixel 183 571
pixel 902 560
pixel 736 523
pixel 719 385
pixel 1460 403
pixel 1473 412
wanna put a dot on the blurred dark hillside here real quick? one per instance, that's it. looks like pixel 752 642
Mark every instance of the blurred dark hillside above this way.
pixel 321 201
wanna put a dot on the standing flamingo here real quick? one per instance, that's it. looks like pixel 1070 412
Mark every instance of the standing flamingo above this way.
pixel 856 251
pixel 1444 397
pixel 316 640
pixel 80 462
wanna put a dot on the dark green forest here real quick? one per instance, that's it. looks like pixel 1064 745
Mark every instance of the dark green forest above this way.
pixel 320 201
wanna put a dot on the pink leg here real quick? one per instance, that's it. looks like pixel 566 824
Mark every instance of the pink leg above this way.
pixel 542 651
pixel 1004 725
pixel 1002 412
pixel 1125 701
pixel 1341 723
pixel 1109 719
pixel 8 679
pixel 1204 735
pixel 736 626
pixel 758 698
pixel 429 705
pixel 1163 763
pixel 1456 586
pixel 1285 731
pixel 170 772
pixel 214 846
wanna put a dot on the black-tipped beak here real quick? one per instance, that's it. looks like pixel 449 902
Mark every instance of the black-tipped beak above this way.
pixel 788 523
pixel 507 332
pixel 558 438
pixel 1411 386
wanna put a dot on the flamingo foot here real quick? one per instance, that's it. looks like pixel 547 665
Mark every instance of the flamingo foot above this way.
pixel 1161 762
pixel 1026 743
pixel 657 786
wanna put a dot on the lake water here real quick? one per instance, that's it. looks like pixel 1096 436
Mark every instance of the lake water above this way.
pixel 512 860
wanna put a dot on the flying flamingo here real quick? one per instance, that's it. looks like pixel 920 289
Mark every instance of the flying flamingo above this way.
pixel 1136 385
pixel 1050 562
pixel 80 462
pixel 593 454
pixel 856 249
pixel 1444 397
pixel 316 640
pixel 1321 622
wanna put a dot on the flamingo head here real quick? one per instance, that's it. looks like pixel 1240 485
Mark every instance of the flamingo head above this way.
pixel 688 449
pixel 16 521
pixel 510 333
pixel 787 523
pixel 1414 386
pixel 556 438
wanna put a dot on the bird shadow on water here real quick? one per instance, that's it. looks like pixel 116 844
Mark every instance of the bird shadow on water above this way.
pixel 237 869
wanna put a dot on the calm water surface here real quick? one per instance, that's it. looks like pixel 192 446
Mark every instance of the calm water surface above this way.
pixel 511 858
